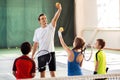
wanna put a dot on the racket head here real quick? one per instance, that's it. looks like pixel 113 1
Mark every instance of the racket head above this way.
pixel 42 52
pixel 43 59
pixel 88 51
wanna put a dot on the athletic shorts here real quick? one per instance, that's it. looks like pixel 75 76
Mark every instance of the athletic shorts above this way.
pixel 51 65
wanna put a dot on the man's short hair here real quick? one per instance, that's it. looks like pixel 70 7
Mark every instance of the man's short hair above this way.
pixel 25 47
pixel 40 16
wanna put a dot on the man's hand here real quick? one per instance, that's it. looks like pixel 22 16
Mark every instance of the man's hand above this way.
pixel 58 6
pixel 57 14
pixel 32 58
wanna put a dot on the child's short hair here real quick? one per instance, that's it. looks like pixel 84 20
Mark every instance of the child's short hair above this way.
pixel 101 42
pixel 25 47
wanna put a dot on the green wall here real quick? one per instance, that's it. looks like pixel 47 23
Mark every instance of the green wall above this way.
pixel 18 20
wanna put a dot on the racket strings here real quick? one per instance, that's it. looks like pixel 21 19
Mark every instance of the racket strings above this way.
pixel 46 58
pixel 90 54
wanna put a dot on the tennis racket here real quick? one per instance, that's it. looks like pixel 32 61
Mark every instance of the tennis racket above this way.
pixel 87 52
pixel 44 58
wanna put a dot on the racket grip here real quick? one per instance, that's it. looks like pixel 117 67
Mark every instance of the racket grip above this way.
pixel 95 72
pixel 59 34
pixel 107 69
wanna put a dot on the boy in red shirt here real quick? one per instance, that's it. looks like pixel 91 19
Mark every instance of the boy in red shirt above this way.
pixel 24 67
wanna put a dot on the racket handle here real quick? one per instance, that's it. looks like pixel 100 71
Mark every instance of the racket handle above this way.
pixel 107 69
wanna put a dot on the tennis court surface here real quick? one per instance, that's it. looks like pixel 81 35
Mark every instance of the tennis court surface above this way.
pixel 7 57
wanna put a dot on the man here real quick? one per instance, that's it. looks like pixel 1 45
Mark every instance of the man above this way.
pixel 44 38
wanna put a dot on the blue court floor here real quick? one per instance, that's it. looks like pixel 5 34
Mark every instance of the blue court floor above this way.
pixel 7 57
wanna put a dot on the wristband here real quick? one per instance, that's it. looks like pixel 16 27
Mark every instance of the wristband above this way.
pixel 59 33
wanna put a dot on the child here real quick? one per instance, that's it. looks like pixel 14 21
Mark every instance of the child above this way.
pixel 75 56
pixel 100 57
pixel 24 67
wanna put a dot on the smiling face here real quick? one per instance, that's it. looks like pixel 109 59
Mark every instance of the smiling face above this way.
pixel 43 20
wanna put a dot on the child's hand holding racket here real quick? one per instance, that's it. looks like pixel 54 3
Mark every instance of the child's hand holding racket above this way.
pixel 60 30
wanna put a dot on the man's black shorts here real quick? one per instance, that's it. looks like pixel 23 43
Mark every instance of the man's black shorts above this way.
pixel 51 65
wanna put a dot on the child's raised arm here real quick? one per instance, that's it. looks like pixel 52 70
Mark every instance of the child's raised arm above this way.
pixel 67 49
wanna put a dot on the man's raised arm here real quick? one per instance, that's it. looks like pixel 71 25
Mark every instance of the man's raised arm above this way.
pixel 57 14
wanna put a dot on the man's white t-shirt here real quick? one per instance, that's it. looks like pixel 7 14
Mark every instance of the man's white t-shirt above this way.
pixel 45 38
